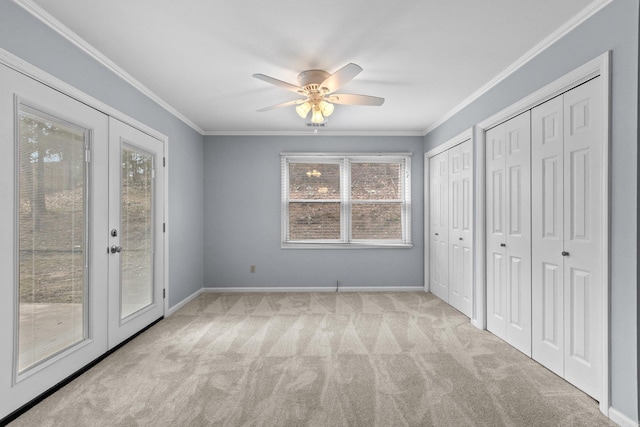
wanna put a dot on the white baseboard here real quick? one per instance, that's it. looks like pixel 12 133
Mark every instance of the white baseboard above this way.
pixel 184 302
pixel 211 289
pixel 621 419
pixel 382 289
pixel 476 323
pixel 315 289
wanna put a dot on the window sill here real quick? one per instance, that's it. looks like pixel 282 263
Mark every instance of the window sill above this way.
pixel 307 245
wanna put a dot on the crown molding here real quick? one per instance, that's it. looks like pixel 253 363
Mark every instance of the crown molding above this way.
pixel 34 9
pixel 310 132
pixel 23 67
pixel 566 28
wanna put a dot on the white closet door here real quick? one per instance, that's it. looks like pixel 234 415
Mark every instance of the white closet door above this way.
pixel 466 193
pixel 567 245
pixel 547 234
pixel 518 231
pixel 509 232
pixel 460 236
pixel 439 226
pixel 496 241
pixel 455 227
pixel 582 236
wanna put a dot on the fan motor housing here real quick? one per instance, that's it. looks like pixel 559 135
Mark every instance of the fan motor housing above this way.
pixel 310 77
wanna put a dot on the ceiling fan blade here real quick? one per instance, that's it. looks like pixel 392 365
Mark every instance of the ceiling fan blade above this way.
pixel 341 77
pixel 284 104
pixel 351 99
pixel 279 83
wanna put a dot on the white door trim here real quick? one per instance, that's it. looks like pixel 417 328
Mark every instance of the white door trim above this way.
pixel 458 139
pixel 12 61
pixel 599 66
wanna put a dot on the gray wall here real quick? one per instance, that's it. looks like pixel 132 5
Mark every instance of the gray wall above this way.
pixel 29 39
pixel 615 28
pixel 242 218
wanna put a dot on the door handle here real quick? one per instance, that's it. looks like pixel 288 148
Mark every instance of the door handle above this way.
pixel 436 234
pixel 115 249
pixel 565 253
pixel 503 245
pixel 459 238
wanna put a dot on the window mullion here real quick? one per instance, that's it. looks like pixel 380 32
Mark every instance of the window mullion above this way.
pixel 284 191
pixel 406 189
pixel 345 195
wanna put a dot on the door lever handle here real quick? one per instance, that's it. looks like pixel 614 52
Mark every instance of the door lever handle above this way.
pixel 565 253
pixel 115 249
pixel 503 245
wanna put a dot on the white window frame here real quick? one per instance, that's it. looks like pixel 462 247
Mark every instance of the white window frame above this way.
pixel 345 160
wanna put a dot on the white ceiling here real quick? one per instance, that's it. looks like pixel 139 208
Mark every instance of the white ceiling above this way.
pixel 425 57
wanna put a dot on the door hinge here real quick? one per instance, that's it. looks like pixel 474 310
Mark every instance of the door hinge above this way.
pixel 164 227
pixel 164 161
pixel 164 293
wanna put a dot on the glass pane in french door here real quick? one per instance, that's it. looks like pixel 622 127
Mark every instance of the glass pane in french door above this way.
pixel 136 213
pixel 52 236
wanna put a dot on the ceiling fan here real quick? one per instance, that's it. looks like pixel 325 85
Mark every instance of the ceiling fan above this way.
pixel 318 87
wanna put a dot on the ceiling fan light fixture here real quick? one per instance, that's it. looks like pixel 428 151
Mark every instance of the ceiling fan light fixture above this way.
pixel 303 109
pixel 326 108
pixel 318 88
pixel 316 115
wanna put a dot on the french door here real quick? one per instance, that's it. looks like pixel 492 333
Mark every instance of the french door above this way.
pixel 65 299
pixel 135 230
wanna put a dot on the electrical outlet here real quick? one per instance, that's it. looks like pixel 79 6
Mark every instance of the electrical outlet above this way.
pixel 252 269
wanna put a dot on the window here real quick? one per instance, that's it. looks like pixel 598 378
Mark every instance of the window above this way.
pixel 337 200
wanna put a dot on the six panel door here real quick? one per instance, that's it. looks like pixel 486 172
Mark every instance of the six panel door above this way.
pixel 518 231
pixel 509 231
pixel 547 192
pixel 460 229
pixel 583 244
pixel 439 226
pixel 567 227
pixel 495 229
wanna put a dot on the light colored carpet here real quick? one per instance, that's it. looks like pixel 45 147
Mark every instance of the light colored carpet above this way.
pixel 316 359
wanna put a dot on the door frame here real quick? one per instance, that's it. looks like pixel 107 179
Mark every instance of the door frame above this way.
pixel 599 66
pixel 456 140
pixel 12 61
